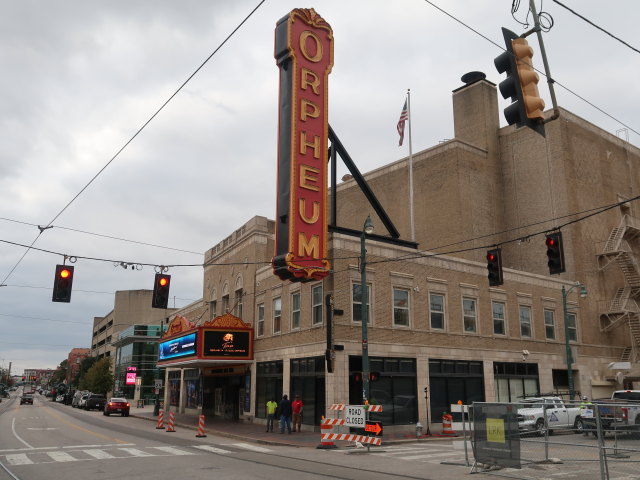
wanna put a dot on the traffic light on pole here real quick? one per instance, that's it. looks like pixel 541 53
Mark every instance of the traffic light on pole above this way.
pixel 521 84
pixel 494 266
pixel 62 284
pixel 161 291
pixel 357 376
pixel 374 376
pixel 555 253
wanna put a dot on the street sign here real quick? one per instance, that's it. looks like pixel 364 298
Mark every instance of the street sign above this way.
pixel 354 416
pixel 158 384
pixel 374 427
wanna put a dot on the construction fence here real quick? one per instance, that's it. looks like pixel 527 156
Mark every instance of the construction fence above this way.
pixel 547 438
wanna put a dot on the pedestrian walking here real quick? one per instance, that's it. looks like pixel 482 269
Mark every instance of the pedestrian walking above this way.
pixel 284 410
pixel 272 406
pixel 296 407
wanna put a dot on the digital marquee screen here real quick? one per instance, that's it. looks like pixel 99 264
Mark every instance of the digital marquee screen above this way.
pixel 227 343
pixel 178 347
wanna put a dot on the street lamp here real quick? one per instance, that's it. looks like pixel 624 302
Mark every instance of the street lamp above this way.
pixel 366 229
pixel 565 293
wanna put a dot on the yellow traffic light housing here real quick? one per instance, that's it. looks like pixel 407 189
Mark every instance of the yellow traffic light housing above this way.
pixel 521 84
pixel 533 104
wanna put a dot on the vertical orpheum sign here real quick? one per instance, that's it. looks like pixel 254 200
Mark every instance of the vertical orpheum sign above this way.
pixel 304 54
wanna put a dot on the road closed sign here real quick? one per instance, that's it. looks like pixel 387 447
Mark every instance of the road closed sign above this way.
pixel 354 416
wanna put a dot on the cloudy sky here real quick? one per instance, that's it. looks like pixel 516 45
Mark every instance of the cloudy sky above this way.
pixel 81 77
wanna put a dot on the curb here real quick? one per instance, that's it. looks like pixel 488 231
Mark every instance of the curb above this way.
pixel 260 441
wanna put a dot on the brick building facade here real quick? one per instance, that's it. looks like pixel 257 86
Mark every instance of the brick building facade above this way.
pixel 437 332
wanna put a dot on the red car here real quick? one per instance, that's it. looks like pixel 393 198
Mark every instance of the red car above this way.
pixel 117 405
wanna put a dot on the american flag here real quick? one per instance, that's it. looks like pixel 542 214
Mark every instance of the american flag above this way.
pixel 404 116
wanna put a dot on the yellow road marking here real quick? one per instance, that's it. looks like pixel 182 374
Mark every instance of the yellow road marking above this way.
pixel 82 429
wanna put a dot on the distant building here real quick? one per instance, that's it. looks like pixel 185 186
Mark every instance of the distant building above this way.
pixel 75 357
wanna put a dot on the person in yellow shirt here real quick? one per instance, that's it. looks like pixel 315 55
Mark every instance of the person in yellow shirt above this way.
pixel 271 414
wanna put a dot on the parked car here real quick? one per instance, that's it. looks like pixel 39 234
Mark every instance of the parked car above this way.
pixel 95 401
pixel 559 415
pixel 60 398
pixel 621 413
pixel 26 398
pixel 82 403
pixel 117 405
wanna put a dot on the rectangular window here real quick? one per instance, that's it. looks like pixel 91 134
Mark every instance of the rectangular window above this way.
pixel 525 321
pixel 212 308
pixel 469 314
pixel 572 327
pixel 357 303
pixel 436 311
pixel 316 304
pixel 260 319
pixel 549 325
pixel 497 309
pixel 295 310
pixel 401 307
pixel 225 304
pixel 238 302
pixel 277 314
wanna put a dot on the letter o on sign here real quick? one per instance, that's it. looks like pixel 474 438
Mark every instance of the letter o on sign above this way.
pixel 303 46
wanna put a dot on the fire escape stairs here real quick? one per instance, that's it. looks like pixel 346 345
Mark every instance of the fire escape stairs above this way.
pixel 623 307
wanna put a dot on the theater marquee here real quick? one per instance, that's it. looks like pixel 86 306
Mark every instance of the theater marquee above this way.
pixel 304 54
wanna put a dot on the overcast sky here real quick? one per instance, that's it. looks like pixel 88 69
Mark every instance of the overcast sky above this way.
pixel 79 78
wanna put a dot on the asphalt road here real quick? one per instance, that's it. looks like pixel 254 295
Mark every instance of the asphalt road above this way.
pixel 53 441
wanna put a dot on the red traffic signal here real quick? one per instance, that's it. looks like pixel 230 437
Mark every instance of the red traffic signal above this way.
pixel 374 376
pixel 161 291
pixel 555 253
pixel 494 266
pixel 62 284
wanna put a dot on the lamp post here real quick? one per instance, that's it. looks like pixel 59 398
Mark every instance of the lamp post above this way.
pixel 366 229
pixel 565 294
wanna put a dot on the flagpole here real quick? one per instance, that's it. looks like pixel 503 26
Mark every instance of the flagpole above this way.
pixel 413 229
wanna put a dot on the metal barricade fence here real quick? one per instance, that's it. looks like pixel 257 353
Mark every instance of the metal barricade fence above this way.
pixel 546 437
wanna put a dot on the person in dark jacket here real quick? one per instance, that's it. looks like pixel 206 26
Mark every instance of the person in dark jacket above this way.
pixel 285 410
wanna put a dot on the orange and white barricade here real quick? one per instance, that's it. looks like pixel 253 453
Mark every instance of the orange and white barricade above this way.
pixel 201 433
pixel 160 424
pixel 446 425
pixel 171 423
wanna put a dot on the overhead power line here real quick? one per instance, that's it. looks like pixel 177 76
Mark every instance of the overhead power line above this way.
pixel 131 139
pixel 601 110
pixel 594 25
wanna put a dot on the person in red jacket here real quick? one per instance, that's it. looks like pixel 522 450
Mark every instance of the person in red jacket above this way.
pixel 296 406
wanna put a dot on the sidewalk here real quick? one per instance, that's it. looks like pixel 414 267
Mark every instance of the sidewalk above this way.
pixel 254 432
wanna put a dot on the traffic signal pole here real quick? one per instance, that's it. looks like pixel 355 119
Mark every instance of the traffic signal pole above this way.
pixel 543 53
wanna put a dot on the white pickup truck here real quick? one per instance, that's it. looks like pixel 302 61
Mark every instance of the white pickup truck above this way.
pixel 559 416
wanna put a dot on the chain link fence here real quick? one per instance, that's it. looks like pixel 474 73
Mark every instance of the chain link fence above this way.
pixel 546 438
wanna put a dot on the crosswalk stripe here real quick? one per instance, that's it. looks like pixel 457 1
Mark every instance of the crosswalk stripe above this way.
pixel 212 449
pixel 99 454
pixel 173 451
pixel 134 452
pixel 429 455
pixel 248 446
pixel 61 457
pixel 18 459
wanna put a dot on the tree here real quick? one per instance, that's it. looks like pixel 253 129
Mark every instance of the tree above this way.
pixel 60 373
pixel 85 364
pixel 98 378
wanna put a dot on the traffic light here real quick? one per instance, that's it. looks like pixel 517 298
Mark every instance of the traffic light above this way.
pixel 62 284
pixel 161 291
pixel 494 265
pixel 374 376
pixel 521 84
pixel 357 376
pixel 555 253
